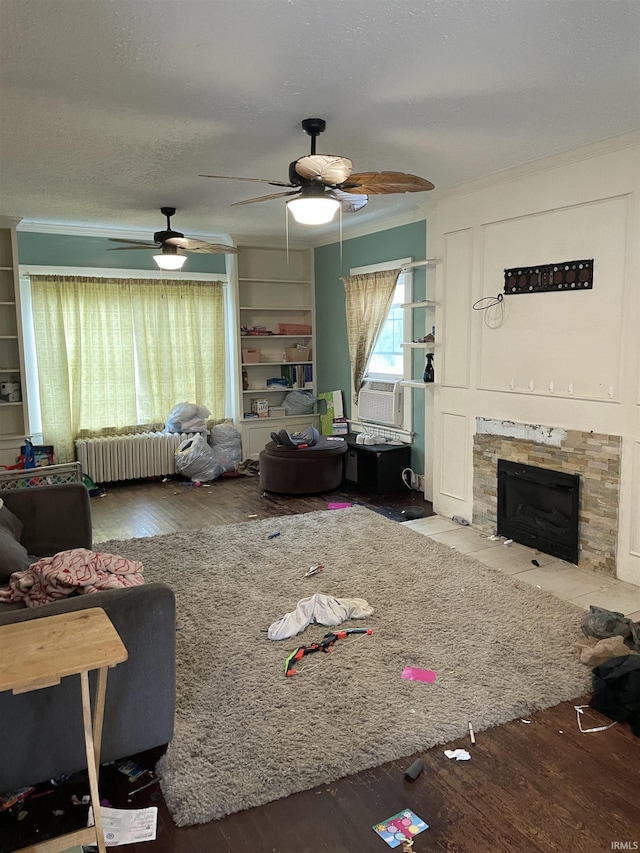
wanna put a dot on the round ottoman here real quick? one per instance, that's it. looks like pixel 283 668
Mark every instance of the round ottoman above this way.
pixel 303 470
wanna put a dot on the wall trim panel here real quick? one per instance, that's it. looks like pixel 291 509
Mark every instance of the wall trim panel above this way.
pixel 454 457
pixel 456 309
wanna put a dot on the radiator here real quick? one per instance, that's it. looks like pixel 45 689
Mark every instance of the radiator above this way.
pixel 128 457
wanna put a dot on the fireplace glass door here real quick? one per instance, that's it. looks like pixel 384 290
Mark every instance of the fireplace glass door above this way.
pixel 539 508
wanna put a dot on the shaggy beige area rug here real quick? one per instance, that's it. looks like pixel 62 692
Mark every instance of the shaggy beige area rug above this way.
pixel 246 734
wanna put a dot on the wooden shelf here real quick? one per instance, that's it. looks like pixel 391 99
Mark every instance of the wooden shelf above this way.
pixel 272 363
pixel 259 308
pixel 419 345
pixel 274 284
pixel 254 391
pixel 272 337
pixel 426 303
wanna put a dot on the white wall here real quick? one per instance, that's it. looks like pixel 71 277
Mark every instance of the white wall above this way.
pixel 571 359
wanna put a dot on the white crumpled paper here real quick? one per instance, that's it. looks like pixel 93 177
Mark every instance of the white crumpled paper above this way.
pixel 458 754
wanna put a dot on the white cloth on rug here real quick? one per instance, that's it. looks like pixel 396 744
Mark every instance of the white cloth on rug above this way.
pixel 319 609
pixel 74 572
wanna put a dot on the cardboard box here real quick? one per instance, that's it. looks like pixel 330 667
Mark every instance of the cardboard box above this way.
pixel 272 356
pixel 277 412
pixel 250 356
pixel 297 354
pixel 294 329
pixel 260 407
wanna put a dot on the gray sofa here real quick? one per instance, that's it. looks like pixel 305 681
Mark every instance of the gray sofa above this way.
pixel 42 731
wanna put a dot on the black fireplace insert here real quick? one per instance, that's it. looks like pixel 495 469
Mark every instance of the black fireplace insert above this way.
pixel 539 508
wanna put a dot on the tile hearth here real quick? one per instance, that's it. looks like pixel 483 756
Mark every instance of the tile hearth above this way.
pixel 564 580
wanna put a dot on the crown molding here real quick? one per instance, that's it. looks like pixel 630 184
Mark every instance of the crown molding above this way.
pixel 139 234
pixel 364 230
pixel 107 232
pixel 9 221
pixel 574 155
pixel 268 242
pixel 101 272
pixel 563 158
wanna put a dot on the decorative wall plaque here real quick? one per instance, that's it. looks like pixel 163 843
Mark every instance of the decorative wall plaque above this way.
pixel 567 275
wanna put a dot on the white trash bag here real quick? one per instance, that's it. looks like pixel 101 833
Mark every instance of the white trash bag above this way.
pixel 195 459
pixel 226 443
pixel 187 417
pixel 299 403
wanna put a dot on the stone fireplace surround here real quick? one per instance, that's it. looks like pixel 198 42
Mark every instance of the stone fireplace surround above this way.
pixel 593 456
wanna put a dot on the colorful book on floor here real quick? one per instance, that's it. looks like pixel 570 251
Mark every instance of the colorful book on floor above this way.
pixel 401 827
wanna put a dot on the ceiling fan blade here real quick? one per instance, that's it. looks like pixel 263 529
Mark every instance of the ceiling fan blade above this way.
pixel 215 249
pixel 383 183
pixel 349 202
pixel 258 180
pixel 265 198
pixel 191 245
pixel 139 243
pixel 332 170
pixel 133 248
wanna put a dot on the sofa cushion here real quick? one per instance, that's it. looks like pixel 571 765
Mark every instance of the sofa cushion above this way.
pixel 13 555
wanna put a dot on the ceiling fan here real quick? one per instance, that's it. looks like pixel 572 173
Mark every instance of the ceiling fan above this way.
pixel 322 183
pixel 173 245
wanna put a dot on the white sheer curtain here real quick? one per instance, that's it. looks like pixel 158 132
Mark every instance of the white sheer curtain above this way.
pixel 114 354
pixel 368 300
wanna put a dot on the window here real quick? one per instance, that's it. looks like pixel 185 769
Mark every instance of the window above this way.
pixel 109 352
pixel 388 357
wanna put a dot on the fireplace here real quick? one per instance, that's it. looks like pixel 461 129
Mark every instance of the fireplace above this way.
pixel 538 507
pixel 593 456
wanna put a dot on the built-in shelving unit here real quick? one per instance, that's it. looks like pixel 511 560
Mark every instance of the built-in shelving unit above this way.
pixel 427 324
pixel 13 406
pixel 275 291
pixel 413 383
pixel 422 313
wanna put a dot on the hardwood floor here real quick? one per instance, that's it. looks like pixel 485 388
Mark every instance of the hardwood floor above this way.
pixel 148 508
pixel 529 787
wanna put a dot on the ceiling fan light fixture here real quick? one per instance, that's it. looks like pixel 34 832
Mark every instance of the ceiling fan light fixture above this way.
pixel 170 262
pixel 313 206
pixel 170 259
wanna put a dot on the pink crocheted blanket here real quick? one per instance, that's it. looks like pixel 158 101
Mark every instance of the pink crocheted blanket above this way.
pixel 75 572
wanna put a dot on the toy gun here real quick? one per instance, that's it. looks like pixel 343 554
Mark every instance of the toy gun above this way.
pixel 325 645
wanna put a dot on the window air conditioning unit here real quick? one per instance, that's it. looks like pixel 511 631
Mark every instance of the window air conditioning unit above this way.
pixel 381 402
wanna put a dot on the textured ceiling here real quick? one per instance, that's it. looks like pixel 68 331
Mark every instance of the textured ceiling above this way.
pixel 110 110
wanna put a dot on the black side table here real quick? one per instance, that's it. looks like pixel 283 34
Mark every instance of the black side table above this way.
pixel 376 467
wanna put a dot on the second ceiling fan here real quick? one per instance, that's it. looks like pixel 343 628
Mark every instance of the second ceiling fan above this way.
pixel 321 183
pixel 172 245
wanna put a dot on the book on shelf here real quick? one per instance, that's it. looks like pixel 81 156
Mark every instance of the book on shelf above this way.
pixel 286 371
pixel 297 375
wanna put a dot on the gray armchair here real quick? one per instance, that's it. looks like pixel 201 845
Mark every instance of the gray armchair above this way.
pixel 43 730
